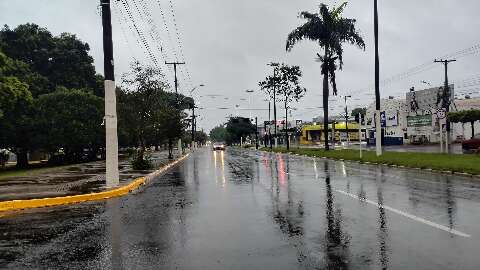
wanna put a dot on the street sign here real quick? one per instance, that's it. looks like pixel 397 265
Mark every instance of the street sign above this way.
pixel 441 114
pixel 419 121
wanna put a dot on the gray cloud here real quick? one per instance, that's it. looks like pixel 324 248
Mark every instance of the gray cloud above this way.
pixel 227 44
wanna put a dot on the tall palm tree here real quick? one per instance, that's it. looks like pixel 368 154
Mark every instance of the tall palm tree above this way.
pixel 330 30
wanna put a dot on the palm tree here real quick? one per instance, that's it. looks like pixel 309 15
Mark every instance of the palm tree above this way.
pixel 331 31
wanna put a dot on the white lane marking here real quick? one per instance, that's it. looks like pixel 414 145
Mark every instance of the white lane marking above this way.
pixel 410 216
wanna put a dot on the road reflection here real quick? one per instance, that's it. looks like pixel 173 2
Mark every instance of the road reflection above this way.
pixel 337 241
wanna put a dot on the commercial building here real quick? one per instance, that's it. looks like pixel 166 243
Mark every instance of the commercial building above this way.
pixel 423 125
pixel 393 120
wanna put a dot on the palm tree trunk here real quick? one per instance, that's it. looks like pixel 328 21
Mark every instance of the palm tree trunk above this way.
pixel 286 125
pixel 325 105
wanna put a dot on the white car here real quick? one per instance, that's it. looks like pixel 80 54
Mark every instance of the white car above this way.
pixel 218 146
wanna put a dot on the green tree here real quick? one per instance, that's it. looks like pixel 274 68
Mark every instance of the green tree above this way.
pixel 470 116
pixel 70 120
pixel 148 115
pixel 290 90
pixel 238 127
pixel 357 112
pixel 330 30
pixel 218 134
pixel 16 112
pixel 53 61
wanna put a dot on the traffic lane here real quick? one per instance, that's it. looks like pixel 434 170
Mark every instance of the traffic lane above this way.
pixel 191 218
pixel 406 242
pixel 238 208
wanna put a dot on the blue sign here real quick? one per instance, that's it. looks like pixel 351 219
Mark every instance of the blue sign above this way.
pixel 383 119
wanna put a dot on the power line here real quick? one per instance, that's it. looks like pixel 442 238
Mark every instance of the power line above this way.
pixel 138 31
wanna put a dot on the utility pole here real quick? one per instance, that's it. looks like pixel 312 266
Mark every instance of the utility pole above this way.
pixel 275 65
pixel 111 140
pixel 193 127
pixel 446 100
pixel 176 97
pixel 378 135
pixel 256 133
pixel 346 118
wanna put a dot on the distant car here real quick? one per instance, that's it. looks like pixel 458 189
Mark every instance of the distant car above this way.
pixel 472 145
pixel 218 146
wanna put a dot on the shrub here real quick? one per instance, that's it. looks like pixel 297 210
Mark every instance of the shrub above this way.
pixel 141 162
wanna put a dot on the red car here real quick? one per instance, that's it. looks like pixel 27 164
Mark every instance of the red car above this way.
pixel 472 145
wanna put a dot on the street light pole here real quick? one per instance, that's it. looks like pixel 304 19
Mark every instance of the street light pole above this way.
pixel 111 140
pixel 275 65
pixel 256 133
pixel 378 136
pixel 193 115
pixel 346 118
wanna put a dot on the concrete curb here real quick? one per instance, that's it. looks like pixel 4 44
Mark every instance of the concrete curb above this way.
pixel 97 196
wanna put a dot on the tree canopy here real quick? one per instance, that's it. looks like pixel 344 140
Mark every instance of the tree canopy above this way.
pixel 238 127
pixel 218 134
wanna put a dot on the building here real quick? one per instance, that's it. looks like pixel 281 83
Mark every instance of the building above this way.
pixel 393 120
pixel 423 125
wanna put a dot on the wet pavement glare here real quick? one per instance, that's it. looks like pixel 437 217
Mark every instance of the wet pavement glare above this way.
pixel 242 209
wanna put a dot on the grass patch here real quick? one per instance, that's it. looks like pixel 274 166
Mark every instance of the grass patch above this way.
pixel 32 171
pixel 441 162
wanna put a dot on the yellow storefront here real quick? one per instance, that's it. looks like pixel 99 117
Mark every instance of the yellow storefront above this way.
pixel 314 134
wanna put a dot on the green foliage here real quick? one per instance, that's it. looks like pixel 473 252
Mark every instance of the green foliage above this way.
pixel 357 112
pixel 70 120
pixel 141 161
pixel 148 115
pixel 48 61
pixel 238 127
pixel 218 134
pixel 12 93
pixel 464 116
pixel 470 116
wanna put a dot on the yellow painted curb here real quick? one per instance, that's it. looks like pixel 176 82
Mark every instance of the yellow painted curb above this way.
pixel 55 201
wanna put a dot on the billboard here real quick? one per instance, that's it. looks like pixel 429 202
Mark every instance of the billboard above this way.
pixel 419 120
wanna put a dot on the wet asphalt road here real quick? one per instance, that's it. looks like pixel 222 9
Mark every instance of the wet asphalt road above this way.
pixel 242 209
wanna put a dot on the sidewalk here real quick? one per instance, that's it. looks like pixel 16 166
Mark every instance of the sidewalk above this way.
pixel 72 180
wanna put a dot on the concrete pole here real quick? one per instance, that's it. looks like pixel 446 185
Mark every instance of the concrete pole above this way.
pixel 180 149
pixel 441 137
pixel 378 133
pixel 111 140
pixel 360 133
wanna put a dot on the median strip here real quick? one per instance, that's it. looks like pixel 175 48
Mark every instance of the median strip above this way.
pixel 97 196
pixel 444 163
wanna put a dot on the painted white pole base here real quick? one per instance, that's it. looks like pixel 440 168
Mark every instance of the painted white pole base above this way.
pixel 180 151
pixel 378 133
pixel 111 142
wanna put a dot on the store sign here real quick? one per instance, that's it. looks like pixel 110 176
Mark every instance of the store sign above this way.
pixel 419 121
pixel 392 120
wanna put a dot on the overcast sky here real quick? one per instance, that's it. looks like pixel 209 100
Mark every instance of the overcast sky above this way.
pixel 228 43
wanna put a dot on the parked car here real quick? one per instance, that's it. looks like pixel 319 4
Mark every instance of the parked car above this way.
pixel 472 145
pixel 218 146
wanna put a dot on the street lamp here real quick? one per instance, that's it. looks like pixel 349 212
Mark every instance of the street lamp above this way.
pixel 249 91
pixel 346 118
pixel 275 66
